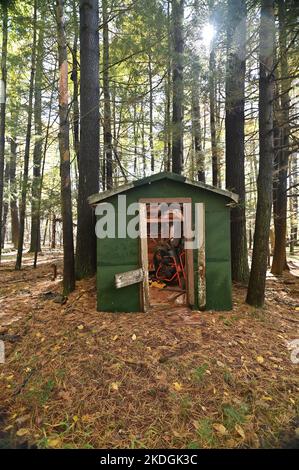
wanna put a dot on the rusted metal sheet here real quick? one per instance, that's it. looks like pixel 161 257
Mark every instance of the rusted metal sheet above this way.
pixel 128 278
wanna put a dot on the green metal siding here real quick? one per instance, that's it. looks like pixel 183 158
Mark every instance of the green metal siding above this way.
pixel 120 255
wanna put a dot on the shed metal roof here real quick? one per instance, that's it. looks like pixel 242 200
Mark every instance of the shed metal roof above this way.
pixel 99 197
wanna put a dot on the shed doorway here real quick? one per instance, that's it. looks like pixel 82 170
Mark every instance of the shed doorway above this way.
pixel 167 265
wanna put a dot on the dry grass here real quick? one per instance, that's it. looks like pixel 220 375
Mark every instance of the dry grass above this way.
pixel 75 377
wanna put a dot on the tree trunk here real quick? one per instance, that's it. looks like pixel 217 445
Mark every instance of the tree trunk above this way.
pixel 37 154
pixel 53 239
pixel 178 85
pixel 151 111
pixel 65 174
pixel 168 94
pixel 196 127
pixel 107 107
pixel 74 78
pixel 257 281
pixel 14 213
pixel 3 110
pixel 5 205
pixel 293 203
pixel 280 214
pixel 89 136
pixel 27 147
pixel 212 99
pixel 234 134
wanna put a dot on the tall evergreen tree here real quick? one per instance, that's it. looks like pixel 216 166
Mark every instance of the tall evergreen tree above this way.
pixel 234 133
pixel 257 280
pixel 27 144
pixel 178 85
pixel 3 107
pixel 37 153
pixel 282 157
pixel 65 173
pixel 89 136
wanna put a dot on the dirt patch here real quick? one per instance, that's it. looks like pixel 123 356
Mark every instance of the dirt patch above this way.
pixel 170 378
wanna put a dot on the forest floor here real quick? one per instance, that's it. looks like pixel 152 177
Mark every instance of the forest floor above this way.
pixel 74 377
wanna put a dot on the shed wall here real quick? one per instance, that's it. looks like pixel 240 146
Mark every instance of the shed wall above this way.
pixel 121 255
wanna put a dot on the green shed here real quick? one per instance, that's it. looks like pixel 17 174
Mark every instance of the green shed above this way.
pixel 126 266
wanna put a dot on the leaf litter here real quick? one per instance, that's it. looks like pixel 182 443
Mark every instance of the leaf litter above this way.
pixel 168 378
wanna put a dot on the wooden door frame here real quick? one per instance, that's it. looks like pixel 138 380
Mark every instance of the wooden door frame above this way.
pixel 144 286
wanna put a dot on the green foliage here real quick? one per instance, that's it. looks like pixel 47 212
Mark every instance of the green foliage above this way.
pixel 199 373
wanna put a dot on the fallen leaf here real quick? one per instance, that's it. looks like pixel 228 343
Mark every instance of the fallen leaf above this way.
pixel 22 432
pixel 220 428
pixel 54 442
pixel 177 386
pixel 240 431
pixel 134 337
pixel 260 359
pixel 80 327
pixel 114 386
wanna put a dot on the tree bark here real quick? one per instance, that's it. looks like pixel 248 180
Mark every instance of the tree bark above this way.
pixel 151 113
pixel 212 99
pixel 177 85
pixel 234 134
pixel 167 131
pixel 280 207
pixel 74 78
pixel 257 281
pixel 89 136
pixel 5 205
pixel 27 147
pixel 37 153
pixel 196 126
pixel 14 213
pixel 65 174
pixel 3 109
pixel 107 106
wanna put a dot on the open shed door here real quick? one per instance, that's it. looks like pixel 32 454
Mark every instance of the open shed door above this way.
pixel 145 303
pixel 200 221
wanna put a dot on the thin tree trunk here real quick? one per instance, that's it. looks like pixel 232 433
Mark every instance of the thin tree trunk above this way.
pixel 53 239
pixel 234 134
pixel 27 147
pixel 43 170
pixel 212 99
pixel 151 111
pixel 3 109
pixel 65 173
pixel 178 85
pixel 14 213
pixel 74 77
pixel 107 107
pixel 5 205
pixel 143 139
pixel 196 126
pixel 45 231
pixel 89 136
pixel 293 203
pixel 168 93
pixel 280 217
pixel 257 281
pixel 37 154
